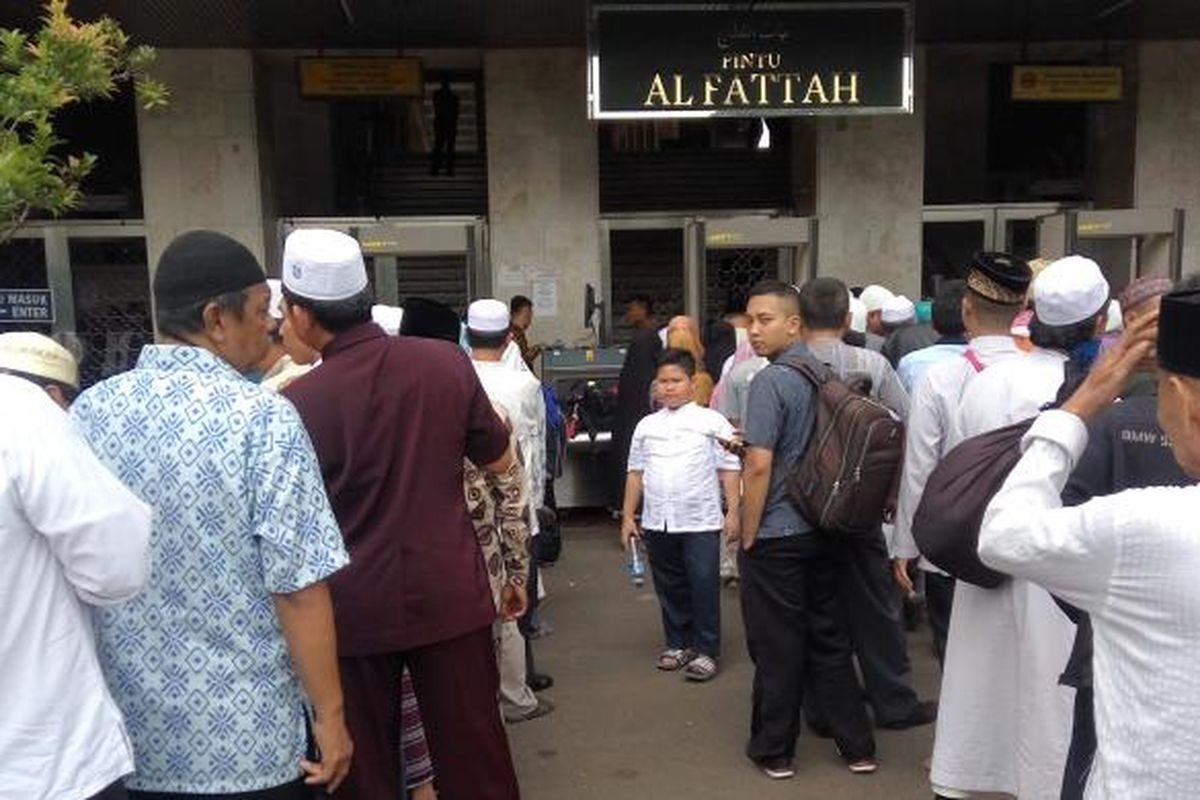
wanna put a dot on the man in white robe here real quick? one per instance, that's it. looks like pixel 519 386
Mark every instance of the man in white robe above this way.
pixel 1004 722
pixel 996 288
pixel 1132 560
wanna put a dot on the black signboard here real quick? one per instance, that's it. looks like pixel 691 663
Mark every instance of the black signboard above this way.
pixel 775 59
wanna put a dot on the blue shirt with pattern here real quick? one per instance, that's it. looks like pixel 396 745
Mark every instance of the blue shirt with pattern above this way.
pixel 198 662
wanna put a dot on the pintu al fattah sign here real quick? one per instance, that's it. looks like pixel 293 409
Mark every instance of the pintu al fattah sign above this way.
pixel 776 59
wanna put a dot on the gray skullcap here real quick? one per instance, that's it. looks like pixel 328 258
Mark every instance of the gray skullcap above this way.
pixel 201 265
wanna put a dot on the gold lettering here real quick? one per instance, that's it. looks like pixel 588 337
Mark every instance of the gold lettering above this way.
pixel 728 62
pixel 852 88
pixel 774 60
pixel 711 84
pixel 762 86
pixel 787 88
pixel 736 87
pixel 679 101
pixel 815 87
pixel 657 90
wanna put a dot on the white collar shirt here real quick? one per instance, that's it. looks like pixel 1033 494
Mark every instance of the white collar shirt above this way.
pixel 679 457
pixel 1132 561
pixel 933 407
pixel 72 537
pixel 520 395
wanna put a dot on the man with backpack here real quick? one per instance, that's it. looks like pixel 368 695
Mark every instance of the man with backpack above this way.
pixel 1004 722
pixel 788 576
pixel 870 604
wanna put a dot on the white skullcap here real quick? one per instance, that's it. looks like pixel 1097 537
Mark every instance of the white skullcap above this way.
pixel 874 296
pixel 858 315
pixel 1069 291
pixel 321 264
pixel 388 318
pixel 487 316
pixel 1115 320
pixel 275 305
pixel 898 309
pixel 38 356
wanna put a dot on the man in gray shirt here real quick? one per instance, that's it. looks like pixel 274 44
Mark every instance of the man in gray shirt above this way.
pixel 870 603
pixel 789 580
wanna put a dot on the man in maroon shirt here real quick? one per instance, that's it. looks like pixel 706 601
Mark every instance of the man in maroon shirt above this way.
pixel 391 420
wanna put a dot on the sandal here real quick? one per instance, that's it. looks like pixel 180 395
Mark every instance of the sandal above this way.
pixel 700 669
pixel 674 659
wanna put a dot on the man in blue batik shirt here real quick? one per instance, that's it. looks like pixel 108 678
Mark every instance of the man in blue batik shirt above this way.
pixel 214 662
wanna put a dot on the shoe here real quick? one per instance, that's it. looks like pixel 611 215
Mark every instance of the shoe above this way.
pixel 538 681
pixel 863 766
pixel 778 769
pixel 924 714
pixel 542 708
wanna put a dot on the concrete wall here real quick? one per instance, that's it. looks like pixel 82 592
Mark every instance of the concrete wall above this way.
pixel 1168 135
pixel 199 156
pixel 543 192
pixel 870 174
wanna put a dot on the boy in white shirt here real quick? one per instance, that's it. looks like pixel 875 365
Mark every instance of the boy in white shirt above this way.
pixel 677 460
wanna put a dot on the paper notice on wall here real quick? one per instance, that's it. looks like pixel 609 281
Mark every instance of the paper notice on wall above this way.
pixel 544 294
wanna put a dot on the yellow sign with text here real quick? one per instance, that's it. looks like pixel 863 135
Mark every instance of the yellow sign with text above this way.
pixel 360 77
pixel 1067 84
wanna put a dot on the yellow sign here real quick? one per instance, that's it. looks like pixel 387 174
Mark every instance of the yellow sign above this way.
pixel 360 77
pixel 1067 84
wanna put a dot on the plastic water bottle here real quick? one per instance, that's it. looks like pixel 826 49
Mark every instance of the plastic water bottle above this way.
pixel 635 565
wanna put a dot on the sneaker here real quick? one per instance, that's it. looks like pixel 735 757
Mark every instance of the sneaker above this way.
pixel 924 714
pixel 778 769
pixel 863 766
pixel 542 708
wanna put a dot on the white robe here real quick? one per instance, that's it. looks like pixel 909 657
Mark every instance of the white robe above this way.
pixel 1132 560
pixel 1004 722
pixel 520 395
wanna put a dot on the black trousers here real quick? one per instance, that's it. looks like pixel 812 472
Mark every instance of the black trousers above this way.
pixel 291 791
pixel 526 622
pixel 939 600
pixel 873 615
pixel 793 623
pixel 114 791
pixel 1083 746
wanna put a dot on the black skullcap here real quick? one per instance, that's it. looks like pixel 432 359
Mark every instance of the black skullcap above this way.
pixel 1179 333
pixel 999 277
pixel 201 265
pixel 429 319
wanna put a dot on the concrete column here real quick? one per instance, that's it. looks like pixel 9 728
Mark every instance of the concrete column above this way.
pixel 543 190
pixel 870 192
pixel 1167 171
pixel 199 156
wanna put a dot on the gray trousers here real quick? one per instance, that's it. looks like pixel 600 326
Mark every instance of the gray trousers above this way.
pixel 872 612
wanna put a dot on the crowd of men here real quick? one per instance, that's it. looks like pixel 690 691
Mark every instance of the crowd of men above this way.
pixel 290 548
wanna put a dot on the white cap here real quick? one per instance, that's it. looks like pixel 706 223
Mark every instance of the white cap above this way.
pixel 388 318
pixel 858 315
pixel 898 310
pixel 1069 291
pixel 39 356
pixel 1115 320
pixel 874 296
pixel 321 264
pixel 487 316
pixel 275 307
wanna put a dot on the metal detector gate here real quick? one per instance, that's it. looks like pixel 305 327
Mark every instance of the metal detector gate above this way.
pixel 1126 243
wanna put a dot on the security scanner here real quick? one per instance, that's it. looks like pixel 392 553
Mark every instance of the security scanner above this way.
pixel 1126 243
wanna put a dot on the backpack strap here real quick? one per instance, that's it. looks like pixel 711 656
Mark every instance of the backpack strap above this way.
pixel 973 357
pixel 818 374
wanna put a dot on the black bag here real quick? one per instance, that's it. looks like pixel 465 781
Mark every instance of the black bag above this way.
pixel 850 469
pixel 950 514
pixel 547 545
